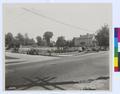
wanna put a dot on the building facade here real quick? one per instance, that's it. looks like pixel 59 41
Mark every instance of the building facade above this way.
pixel 87 40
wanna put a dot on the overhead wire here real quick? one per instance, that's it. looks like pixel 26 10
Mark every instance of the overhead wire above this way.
pixel 55 20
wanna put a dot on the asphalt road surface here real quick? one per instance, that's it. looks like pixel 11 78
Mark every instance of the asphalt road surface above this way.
pixel 74 68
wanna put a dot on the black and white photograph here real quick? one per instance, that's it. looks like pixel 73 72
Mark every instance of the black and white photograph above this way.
pixel 57 46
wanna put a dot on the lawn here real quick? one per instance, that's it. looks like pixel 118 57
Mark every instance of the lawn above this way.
pixel 8 57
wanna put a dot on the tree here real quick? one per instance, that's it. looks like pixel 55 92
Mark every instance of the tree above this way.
pixel 9 40
pixel 52 44
pixel 16 45
pixel 31 42
pixel 60 42
pixel 102 36
pixel 28 41
pixel 39 41
pixel 20 39
pixel 47 36
pixel 69 43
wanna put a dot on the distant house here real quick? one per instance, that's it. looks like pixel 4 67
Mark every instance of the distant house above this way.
pixel 87 40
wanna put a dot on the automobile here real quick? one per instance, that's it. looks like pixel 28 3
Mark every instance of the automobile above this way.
pixel 95 49
pixel 102 49
pixel 80 49
pixel 33 52
pixel 88 49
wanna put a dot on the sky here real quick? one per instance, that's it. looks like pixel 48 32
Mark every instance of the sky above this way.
pixel 68 20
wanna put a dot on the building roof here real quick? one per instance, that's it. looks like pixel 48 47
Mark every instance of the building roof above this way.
pixel 87 36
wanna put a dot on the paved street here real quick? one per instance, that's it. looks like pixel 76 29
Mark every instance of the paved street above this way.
pixel 73 68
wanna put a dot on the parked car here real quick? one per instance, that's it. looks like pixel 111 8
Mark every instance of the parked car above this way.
pixel 80 49
pixel 95 49
pixel 33 51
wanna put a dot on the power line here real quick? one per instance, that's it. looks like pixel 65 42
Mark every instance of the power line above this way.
pixel 55 20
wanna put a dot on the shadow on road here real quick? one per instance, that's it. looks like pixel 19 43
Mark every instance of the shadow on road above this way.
pixel 45 83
